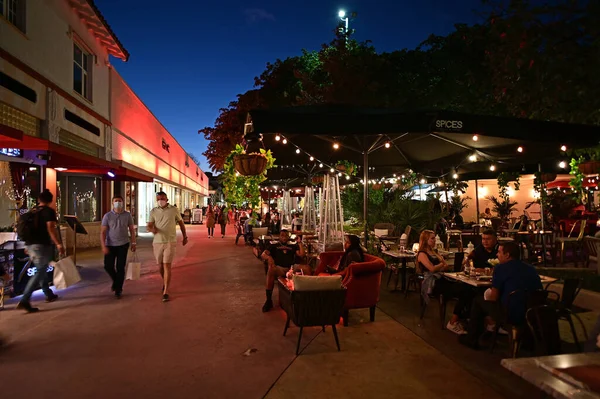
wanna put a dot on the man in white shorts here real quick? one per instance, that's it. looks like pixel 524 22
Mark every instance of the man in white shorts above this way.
pixel 163 222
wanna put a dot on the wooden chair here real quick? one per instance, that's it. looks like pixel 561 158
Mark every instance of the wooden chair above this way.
pixel 562 243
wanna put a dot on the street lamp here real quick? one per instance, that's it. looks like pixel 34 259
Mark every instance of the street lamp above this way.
pixel 345 19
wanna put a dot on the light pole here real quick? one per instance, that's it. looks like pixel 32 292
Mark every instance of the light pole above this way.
pixel 345 27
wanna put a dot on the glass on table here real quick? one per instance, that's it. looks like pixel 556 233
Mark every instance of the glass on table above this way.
pixel 488 271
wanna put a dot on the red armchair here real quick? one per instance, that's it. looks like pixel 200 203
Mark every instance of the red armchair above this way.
pixel 362 281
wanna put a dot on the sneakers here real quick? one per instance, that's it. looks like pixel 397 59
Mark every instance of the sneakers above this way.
pixel 267 306
pixel 456 328
pixel 51 298
pixel 492 327
pixel 165 298
pixel 27 307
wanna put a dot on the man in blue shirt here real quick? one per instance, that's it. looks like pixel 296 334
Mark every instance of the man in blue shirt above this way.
pixel 117 226
pixel 510 275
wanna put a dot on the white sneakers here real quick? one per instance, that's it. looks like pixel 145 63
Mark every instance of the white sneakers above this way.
pixel 456 328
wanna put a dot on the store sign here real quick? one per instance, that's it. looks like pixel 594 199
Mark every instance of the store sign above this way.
pixel 448 124
pixel 33 270
pixel 11 152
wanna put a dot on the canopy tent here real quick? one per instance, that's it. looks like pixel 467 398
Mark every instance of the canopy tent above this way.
pixel 428 142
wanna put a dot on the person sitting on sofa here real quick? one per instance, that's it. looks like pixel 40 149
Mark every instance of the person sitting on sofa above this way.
pixel 353 253
pixel 280 257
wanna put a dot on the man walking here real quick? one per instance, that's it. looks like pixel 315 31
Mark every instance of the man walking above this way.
pixel 163 222
pixel 40 247
pixel 115 243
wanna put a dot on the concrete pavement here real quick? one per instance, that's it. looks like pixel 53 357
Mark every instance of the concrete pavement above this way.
pixel 210 341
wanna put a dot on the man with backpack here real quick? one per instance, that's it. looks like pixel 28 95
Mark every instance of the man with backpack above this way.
pixel 38 229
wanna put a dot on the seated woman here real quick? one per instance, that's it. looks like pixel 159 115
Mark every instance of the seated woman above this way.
pixel 353 253
pixel 431 263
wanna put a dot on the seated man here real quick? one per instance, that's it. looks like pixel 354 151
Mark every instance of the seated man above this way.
pixel 280 257
pixel 275 226
pixel 486 251
pixel 510 275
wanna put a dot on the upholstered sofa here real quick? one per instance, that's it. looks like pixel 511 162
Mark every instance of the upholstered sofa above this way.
pixel 362 281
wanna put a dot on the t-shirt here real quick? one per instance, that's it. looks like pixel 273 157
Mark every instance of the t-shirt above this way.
pixel 118 228
pixel 432 258
pixel 165 219
pixel 511 276
pixel 44 215
pixel 284 255
pixel 481 256
pixel 349 258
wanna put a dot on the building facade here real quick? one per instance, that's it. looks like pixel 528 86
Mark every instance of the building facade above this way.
pixel 69 123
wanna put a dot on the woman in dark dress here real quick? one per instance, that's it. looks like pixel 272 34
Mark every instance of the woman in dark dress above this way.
pixel 353 253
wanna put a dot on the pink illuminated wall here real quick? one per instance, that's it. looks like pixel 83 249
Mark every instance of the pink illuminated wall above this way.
pixel 141 140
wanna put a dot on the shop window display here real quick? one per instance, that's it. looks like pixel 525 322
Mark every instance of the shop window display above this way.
pixel 80 196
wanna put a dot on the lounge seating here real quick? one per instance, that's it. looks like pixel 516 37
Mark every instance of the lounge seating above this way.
pixel 362 280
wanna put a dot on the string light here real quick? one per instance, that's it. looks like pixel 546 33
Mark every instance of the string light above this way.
pixel 347 177
pixel 455 175
pixel 473 158
pixel 312 158
pixel 423 181
pixel 320 165
pixel 388 145
pixel 563 148
pixel 284 141
pixel 336 146
pixel 339 175
pixel 331 170
pixel 475 137
pixel 520 149
pixel 492 167
pixel 277 138
pixel 562 164
pixel 297 150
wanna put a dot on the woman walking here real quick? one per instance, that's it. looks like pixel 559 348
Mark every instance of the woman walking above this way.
pixel 222 220
pixel 210 221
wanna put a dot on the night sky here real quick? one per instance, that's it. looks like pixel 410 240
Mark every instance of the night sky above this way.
pixel 190 57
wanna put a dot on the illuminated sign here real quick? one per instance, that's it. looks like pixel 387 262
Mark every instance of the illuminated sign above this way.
pixel 33 270
pixel 11 152
pixel 450 125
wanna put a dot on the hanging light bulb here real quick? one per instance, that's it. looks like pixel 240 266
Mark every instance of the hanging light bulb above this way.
pixel 492 167
pixel 473 158
pixel 520 149
pixel 297 150
pixel 277 138
pixel 347 177
pixel 563 148
pixel 455 175
pixel 320 165
pixel 284 141
pixel 340 174
pixel 388 145
pixel 312 158
pixel 402 177
pixel 423 181
pixel 475 137
pixel 332 170
pixel 562 164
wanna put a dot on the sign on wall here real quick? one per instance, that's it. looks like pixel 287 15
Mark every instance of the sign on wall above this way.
pixel 11 152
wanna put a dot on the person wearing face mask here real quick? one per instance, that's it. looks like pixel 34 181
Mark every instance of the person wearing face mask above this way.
pixel 114 237
pixel 163 222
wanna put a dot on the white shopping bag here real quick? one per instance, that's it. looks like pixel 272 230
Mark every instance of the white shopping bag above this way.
pixel 133 269
pixel 65 273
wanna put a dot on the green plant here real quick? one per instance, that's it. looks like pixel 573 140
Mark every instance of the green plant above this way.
pixel 502 206
pixel 504 179
pixel 348 167
pixel 458 203
pixel 576 182
pixel 240 189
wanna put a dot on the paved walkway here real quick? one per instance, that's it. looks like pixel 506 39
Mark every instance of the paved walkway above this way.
pixel 210 341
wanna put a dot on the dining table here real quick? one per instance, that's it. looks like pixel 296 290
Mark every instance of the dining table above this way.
pixel 404 257
pixel 571 376
pixel 485 281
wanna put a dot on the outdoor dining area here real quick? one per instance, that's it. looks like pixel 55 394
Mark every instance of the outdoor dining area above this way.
pixel 472 196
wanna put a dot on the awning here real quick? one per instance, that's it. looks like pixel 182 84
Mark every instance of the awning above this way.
pixel 587 183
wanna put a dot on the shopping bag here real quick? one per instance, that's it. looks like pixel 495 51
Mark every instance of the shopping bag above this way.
pixel 133 269
pixel 65 273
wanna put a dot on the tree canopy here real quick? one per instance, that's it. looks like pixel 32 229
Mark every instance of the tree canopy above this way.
pixel 525 61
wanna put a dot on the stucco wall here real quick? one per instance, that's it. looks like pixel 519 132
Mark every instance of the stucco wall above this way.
pixel 138 140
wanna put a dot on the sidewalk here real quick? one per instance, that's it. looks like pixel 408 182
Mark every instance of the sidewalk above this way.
pixel 210 341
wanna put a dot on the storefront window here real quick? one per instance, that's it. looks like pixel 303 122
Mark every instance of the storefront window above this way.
pixel 19 189
pixel 80 196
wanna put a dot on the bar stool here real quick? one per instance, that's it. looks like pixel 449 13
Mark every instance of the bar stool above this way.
pixel 454 233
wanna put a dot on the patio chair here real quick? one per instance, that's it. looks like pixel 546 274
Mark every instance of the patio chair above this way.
pixel 592 248
pixel 363 281
pixel 543 325
pixel 564 305
pixel 528 299
pixel 314 308
pixel 562 243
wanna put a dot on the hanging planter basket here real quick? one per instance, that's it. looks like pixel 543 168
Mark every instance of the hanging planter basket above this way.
pixel 318 179
pixel 589 167
pixel 548 177
pixel 250 164
pixel 377 186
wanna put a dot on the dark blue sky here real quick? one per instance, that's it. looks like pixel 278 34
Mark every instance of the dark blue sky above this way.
pixel 191 57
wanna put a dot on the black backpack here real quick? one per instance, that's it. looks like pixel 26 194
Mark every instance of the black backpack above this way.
pixel 28 225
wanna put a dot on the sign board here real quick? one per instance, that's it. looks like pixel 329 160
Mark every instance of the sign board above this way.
pixel 75 224
pixel 451 125
pixel 12 152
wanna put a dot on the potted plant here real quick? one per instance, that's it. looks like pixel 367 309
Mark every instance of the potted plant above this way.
pixel 252 164
pixel 346 167
pixel 504 179
pixel 239 188
pixel 502 206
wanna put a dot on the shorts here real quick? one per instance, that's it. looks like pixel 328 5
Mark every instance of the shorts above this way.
pixel 164 252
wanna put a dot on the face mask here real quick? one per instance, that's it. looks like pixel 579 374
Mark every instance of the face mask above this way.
pixel 162 203
pixel 118 204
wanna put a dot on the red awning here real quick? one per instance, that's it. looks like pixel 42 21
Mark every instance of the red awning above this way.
pixel 587 182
